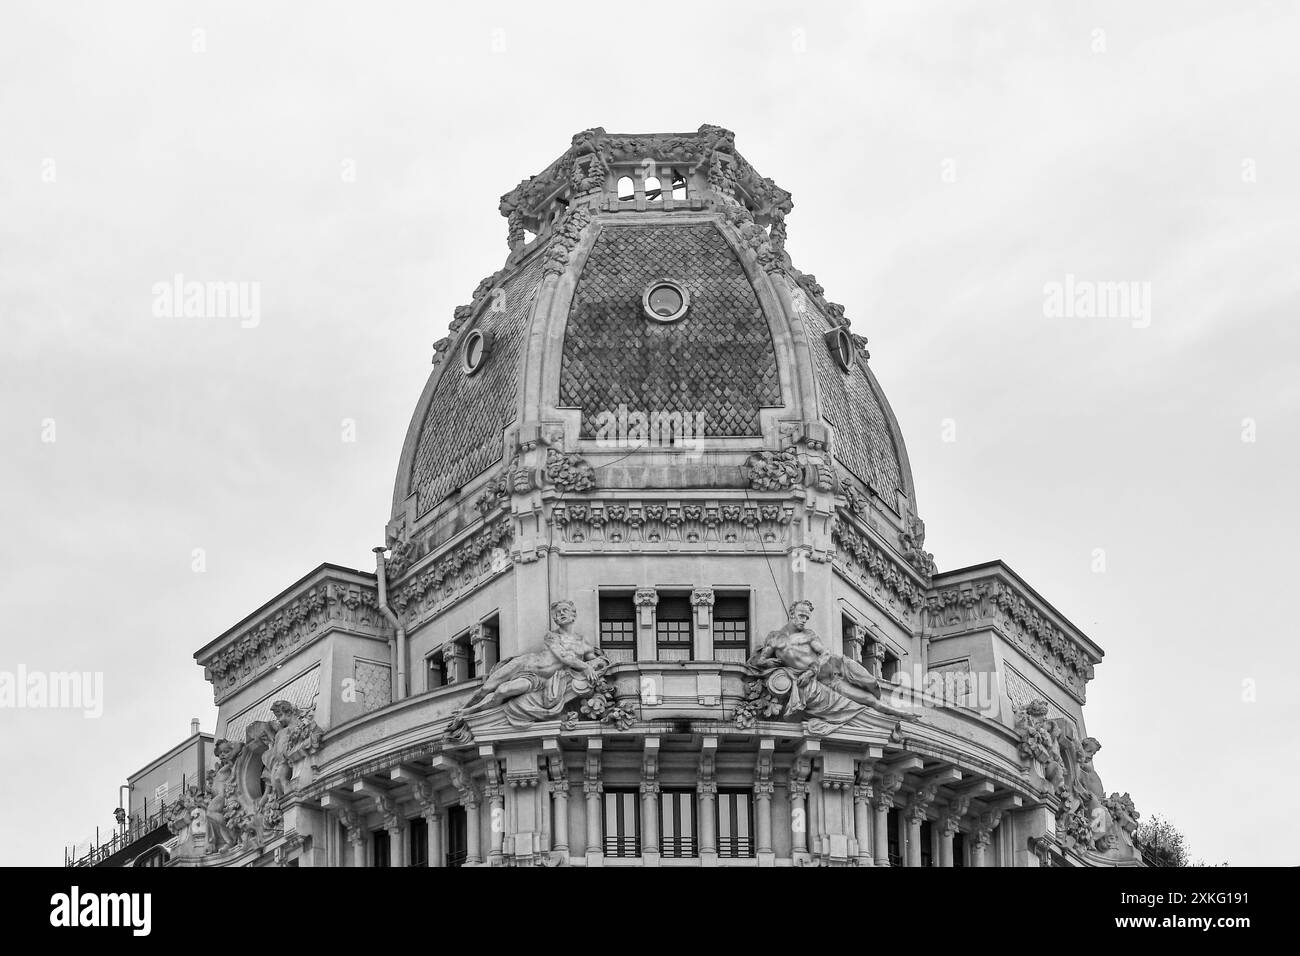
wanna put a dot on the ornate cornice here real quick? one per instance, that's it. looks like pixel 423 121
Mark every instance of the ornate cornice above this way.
pixel 671 523
pixel 999 601
pixel 875 566
pixel 456 569
pixel 329 598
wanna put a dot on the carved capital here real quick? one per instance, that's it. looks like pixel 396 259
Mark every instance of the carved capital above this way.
pixel 645 597
pixel 702 597
pixel 919 804
pixel 886 786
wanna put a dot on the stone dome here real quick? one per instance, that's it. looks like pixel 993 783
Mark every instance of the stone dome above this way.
pixel 561 348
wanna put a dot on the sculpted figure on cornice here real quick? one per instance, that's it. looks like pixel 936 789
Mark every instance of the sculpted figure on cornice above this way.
pixel 793 673
pixel 540 684
pixel 1089 819
pixel 241 804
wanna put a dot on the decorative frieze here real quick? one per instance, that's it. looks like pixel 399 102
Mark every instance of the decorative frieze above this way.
pixel 874 566
pixel 298 619
pixel 669 523
pixel 460 568
pixel 998 602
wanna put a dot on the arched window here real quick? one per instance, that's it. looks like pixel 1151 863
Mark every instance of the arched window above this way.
pixel 626 191
pixel 653 190
pixel 679 187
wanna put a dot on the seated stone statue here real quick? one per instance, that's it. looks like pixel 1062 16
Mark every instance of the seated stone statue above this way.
pixel 537 684
pixel 795 667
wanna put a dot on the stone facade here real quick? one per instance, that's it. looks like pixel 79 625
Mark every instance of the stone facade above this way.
pixel 655 589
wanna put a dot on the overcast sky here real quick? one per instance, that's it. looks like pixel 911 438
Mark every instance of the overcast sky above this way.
pixel 946 164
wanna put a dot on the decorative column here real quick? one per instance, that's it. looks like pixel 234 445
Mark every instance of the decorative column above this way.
pixel 855 638
pixel 862 794
pixel 763 790
pixel 494 791
pixel 982 836
pixel 387 808
pixel 702 602
pixel 798 788
pixel 455 658
pixel 559 787
pixel 593 788
pixel 352 822
pixel 917 808
pixel 469 799
pixel 650 803
pixel 708 791
pixel 875 659
pixel 646 600
pixel 883 801
pixel 949 824
pixel 483 640
pixel 423 792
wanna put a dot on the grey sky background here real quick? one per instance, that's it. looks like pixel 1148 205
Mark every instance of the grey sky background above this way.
pixel 946 162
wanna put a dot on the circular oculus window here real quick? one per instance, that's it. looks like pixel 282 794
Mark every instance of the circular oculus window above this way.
pixel 665 300
pixel 842 347
pixel 477 346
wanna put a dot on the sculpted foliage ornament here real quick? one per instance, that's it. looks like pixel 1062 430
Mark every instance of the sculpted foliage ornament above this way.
pixel 774 470
pixel 566 240
pixel 569 472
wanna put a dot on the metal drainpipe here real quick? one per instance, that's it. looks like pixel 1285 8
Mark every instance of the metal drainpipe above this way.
pixel 399 652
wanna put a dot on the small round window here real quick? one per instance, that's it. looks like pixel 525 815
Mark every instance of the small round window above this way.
pixel 841 344
pixel 665 301
pixel 477 346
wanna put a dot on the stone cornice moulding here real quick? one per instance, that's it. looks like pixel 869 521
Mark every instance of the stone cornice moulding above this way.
pixel 330 598
pixel 995 596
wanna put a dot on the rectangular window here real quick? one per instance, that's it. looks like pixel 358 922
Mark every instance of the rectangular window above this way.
pixel 927 838
pixel 959 849
pixel 677 823
pixel 418 852
pixel 379 855
pixel 457 836
pixel 673 623
pixel 622 827
pixel 895 847
pixel 618 626
pixel 731 628
pixel 735 824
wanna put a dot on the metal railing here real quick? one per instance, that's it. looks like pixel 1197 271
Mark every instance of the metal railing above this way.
pixel 137 827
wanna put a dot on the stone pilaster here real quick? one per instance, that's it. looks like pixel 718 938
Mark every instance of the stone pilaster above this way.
pixel 702 602
pixel 455 658
pixel 484 642
pixel 646 600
